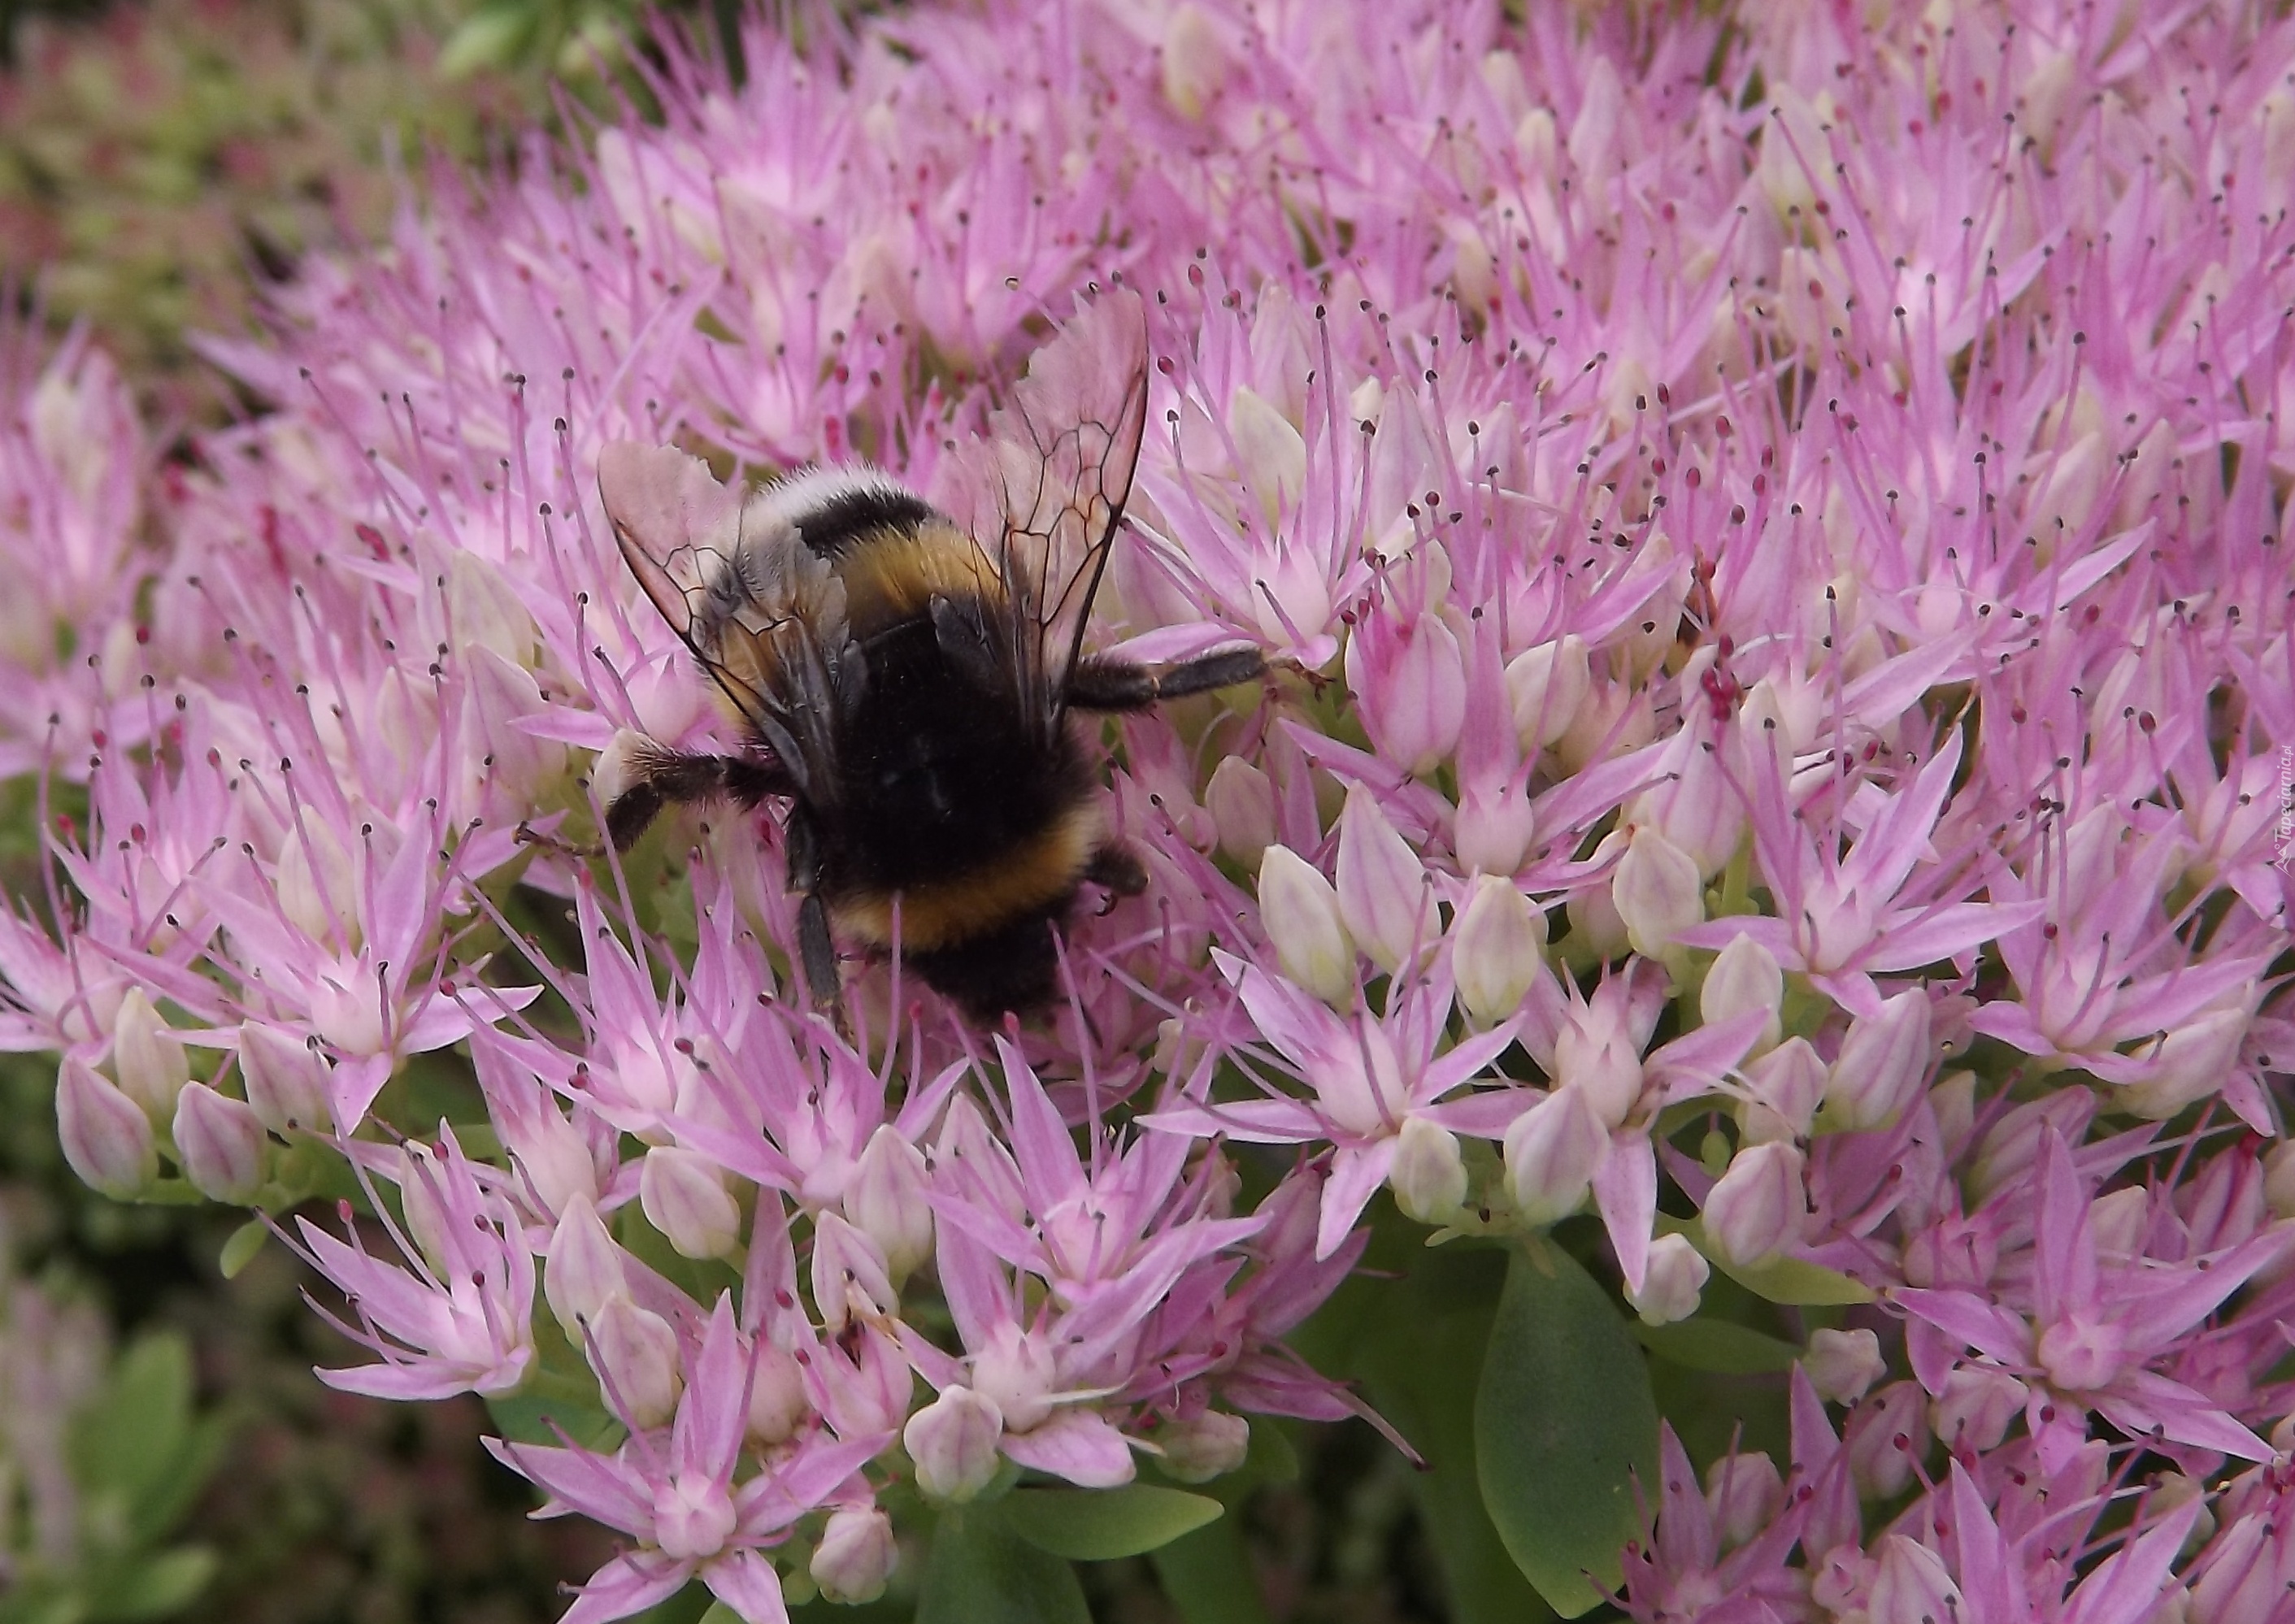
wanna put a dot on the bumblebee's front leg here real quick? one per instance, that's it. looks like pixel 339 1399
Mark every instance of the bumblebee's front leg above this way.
pixel 816 950
pixel 654 776
pixel 1100 682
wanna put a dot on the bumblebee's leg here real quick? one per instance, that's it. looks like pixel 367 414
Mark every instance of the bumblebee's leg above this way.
pixel 1101 684
pixel 817 951
pixel 659 775
pixel 1115 871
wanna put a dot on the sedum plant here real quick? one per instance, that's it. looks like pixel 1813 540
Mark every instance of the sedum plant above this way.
pixel 1768 852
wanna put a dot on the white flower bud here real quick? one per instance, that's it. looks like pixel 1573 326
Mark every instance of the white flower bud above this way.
pixel 1657 891
pixel 1758 1207
pixel 1545 686
pixel 684 1197
pixel 848 1273
pixel 106 1137
pixel 1977 1404
pixel 583 1268
pixel 2279 1179
pixel 1241 801
pixel 1881 1464
pixel 1552 1151
pixel 1744 1494
pixel 317 884
pixel 1789 1083
pixel 1428 1175
pixel 2118 1221
pixel 1911 1585
pixel 1744 978
pixel 220 1143
pixel 634 1353
pixel 857 1553
pixel 886 1199
pixel 286 1082
pixel 2191 1062
pixel 1497 950
pixel 147 1059
pixel 1383 896
pixel 1844 1365
pixel 1675 1276
pixel 1206 1445
pixel 777 1400
pixel 953 1441
pixel 1883 1064
pixel 1299 909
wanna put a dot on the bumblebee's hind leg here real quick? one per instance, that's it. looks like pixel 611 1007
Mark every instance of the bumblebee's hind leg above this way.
pixel 1101 684
pixel 1116 871
pixel 657 776
pixel 816 950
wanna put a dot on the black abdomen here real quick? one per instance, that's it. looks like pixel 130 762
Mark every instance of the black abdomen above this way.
pixel 940 776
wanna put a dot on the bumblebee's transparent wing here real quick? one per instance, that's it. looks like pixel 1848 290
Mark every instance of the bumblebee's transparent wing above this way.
pixel 762 616
pixel 1059 467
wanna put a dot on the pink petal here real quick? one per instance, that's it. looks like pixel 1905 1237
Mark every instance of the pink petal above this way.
pixel 1080 1445
pixel 745 1582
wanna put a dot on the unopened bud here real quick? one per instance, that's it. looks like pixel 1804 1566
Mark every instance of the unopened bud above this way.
pixel 1016 1373
pixel 1977 1406
pixel 1744 978
pixel 516 764
pixel 1545 686
pixel 1383 896
pixel 1204 1446
pixel 1657 891
pixel 1409 683
pixel 286 1082
pixel 2191 1062
pixel 1885 1436
pixel 848 1274
pixel 1758 1207
pixel 1428 1175
pixel 777 1400
pixel 1552 1151
pixel 106 1137
pixel 317 884
pixel 1744 1494
pixel 2118 1221
pixel 1493 830
pixel 1789 1083
pixel 1671 1284
pixel 634 1353
pixel 684 1197
pixel 1497 950
pixel 1883 1063
pixel 1911 1585
pixel 583 1268
pixel 886 1200
pixel 1300 911
pixel 1241 800
pixel 953 1441
pixel 857 1553
pixel 1595 1055
pixel 220 1142
pixel 1844 1365
pixel 147 1059
pixel 2279 1179
pixel 1594 923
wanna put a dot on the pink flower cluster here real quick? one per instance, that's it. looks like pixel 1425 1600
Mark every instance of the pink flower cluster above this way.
pixel 1787 505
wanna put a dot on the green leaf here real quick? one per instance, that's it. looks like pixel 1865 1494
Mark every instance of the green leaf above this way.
pixel 129 1439
pixel 538 1417
pixel 1563 1421
pixel 1796 1282
pixel 1415 1343
pixel 980 1572
pixel 1206 1576
pixel 155 1587
pixel 240 1250
pixel 1717 1345
pixel 1102 1524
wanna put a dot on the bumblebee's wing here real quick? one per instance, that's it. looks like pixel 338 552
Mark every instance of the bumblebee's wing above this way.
pixel 1060 461
pixel 762 615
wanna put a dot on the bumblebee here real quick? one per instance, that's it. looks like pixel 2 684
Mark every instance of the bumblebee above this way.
pixel 904 681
